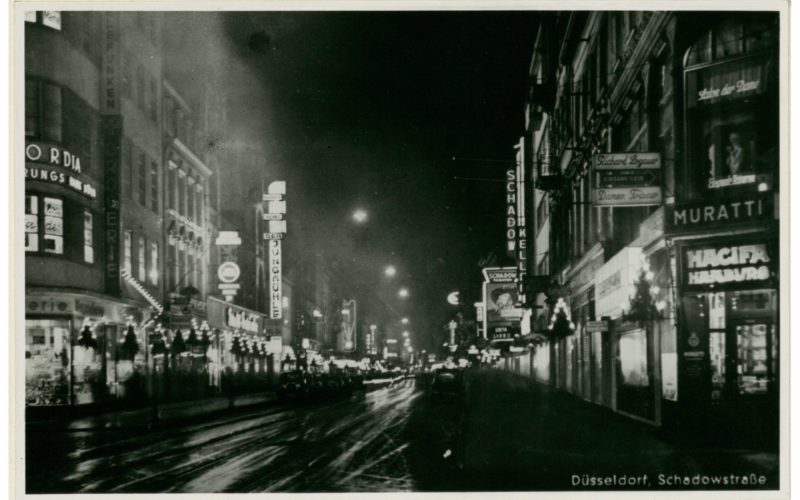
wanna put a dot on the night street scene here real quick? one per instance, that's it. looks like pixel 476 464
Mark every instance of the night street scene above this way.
pixel 401 251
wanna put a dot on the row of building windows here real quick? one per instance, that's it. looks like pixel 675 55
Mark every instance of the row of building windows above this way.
pixel 139 85
pixel 178 123
pixel 56 114
pixel 185 267
pixel 185 194
pixel 725 147
pixel 145 260
pixel 141 174
pixel 56 227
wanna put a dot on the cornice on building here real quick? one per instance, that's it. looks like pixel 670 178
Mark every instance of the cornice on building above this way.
pixel 193 159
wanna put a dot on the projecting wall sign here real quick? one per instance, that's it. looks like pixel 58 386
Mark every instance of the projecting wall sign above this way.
pixel 627 179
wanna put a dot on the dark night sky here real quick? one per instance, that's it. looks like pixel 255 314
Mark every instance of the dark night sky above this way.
pixel 366 110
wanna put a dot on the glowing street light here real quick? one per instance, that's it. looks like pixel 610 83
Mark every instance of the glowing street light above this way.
pixel 403 293
pixel 390 271
pixel 405 334
pixel 360 216
pixel 404 321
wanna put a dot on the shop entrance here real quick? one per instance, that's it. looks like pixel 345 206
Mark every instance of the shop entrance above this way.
pixel 743 345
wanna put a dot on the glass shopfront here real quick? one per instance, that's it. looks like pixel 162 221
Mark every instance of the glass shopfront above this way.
pixel 634 365
pixel 742 341
pixel 77 350
pixel 47 361
pixel 729 345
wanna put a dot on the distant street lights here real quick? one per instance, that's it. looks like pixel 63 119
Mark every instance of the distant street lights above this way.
pixel 403 293
pixel 404 321
pixel 405 334
pixel 390 271
pixel 360 216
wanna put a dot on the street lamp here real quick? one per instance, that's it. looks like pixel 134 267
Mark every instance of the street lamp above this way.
pixel 405 334
pixel 360 216
pixel 390 271
pixel 404 321
pixel 403 293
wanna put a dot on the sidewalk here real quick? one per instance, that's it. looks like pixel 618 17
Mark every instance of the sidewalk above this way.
pixel 143 417
pixel 522 434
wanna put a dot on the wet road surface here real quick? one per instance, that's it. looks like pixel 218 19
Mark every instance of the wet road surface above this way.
pixel 504 434
pixel 361 443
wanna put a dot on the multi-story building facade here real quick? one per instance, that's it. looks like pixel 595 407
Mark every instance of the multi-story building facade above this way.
pixel 93 169
pixel 695 97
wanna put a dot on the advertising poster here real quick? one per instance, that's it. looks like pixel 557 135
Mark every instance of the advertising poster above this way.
pixel 502 316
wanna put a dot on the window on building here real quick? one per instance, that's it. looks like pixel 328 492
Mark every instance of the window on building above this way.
pixel 154 203
pixel 31 223
pixel 181 193
pixel 79 135
pixel 32 111
pixel 601 58
pixel 733 37
pixel 172 185
pixel 542 211
pixel 43 111
pixel 179 128
pixel 153 274
pixel 127 167
pixel 169 116
pixel 191 267
pixel 630 134
pixel 190 199
pixel 141 170
pixel 731 107
pixel 141 256
pixel 172 265
pixel 88 237
pixel 188 135
pixel 586 214
pixel 53 226
pixel 619 33
pixel 181 268
pixel 128 252
pixel 199 199
pixel 200 284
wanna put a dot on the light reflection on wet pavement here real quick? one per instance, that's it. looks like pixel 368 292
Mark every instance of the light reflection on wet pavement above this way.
pixel 353 444
pixel 505 434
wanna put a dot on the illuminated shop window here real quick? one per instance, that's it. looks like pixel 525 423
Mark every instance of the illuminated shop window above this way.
pixel 731 100
pixel 31 223
pixel 88 237
pixel 53 226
